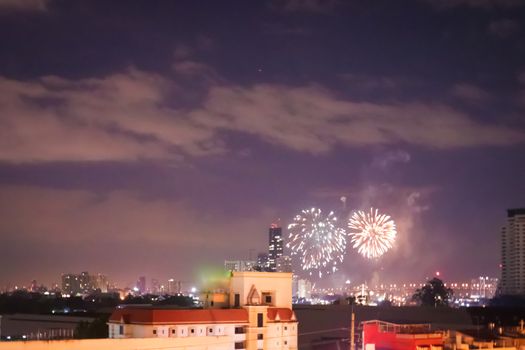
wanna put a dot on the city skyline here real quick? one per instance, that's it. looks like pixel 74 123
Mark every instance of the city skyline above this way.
pixel 162 139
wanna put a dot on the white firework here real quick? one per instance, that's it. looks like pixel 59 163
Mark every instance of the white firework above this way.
pixel 373 233
pixel 317 241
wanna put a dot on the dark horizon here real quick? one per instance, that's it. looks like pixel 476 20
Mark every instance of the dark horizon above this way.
pixel 161 138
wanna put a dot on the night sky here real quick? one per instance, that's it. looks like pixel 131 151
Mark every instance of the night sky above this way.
pixel 160 138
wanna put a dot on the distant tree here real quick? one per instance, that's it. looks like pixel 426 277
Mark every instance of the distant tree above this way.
pixel 433 293
pixel 350 300
pixel 385 303
pixel 177 300
pixel 96 329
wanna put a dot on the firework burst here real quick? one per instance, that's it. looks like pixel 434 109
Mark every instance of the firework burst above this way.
pixel 317 241
pixel 373 233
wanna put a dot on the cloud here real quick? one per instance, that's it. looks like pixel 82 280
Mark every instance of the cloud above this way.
pixel 136 115
pixel 314 6
pixel 368 82
pixel 387 159
pixel 482 4
pixel 312 119
pixel 413 202
pixel 24 5
pixel 521 77
pixel 123 116
pixel 504 28
pixel 470 93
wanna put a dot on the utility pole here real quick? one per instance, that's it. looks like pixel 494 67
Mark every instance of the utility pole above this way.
pixel 352 330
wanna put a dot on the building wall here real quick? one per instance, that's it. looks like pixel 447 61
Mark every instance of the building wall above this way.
pixel 171 331
pixel 193 343
pixel 277 284
pixel 281 335
pixel 513 253
pixel 396 341
pixel 275 246
pixel 275 335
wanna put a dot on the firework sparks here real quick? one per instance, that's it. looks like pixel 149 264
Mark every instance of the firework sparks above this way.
pixel 317 241
pixel 374 233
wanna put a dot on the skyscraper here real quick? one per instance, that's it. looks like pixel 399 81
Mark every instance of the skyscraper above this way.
pixel 275 247
pixel 284 264
pixel 513 253
pixel 262 262
pixel 141 284
pixel 71 284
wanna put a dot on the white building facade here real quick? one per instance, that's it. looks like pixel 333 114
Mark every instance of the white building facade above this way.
pixel 513 253
pixel 260 317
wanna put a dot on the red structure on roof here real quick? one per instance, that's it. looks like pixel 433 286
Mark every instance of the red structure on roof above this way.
pixel 379 335
pixel 180 316
pixel 280 314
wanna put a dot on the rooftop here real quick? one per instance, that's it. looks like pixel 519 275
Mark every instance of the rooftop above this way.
pixel 181 316
pixel 515 211
pixel 388 327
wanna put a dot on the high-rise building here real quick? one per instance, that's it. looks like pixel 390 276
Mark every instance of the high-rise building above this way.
pixel 101 283
pixel 513 253
pixel 304 289
pixel 483 287
pixel 275 246
pixel 284 264
pixel 262 262
pixel 239 265
pixel 71 284
pixel 155 286
pixel 141 284
pixel 174 287
pixel 84 283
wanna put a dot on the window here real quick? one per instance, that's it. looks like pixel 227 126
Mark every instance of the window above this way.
pixel 192 330
pixel 266 298
pixel 286 342
pixel 210 330
pixel 285 328
pixel 259 320
pixel 239 330
pixel 239 345
pixel 259 336
pixel 237 300
pixel 172 331
pixel 154 331
pixel 211 303
pixel 121 330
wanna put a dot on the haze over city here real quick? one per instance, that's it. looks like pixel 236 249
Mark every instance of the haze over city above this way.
pixel 160 139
